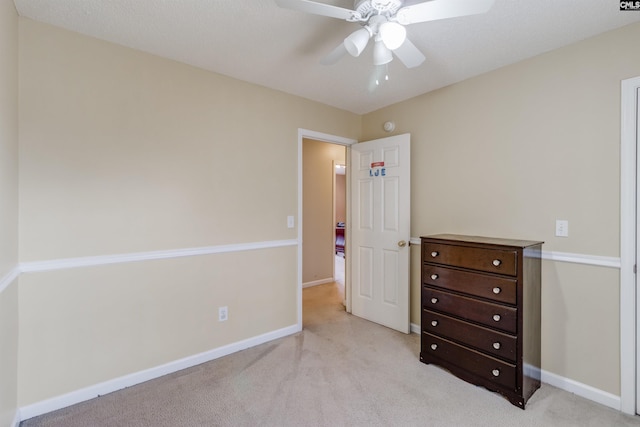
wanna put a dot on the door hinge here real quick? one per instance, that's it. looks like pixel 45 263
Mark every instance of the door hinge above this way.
pixel 635 268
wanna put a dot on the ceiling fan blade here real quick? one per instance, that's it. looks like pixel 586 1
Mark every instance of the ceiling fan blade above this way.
pixel 316 8
pixel 409 54
pixel 335 55
pixel 441 9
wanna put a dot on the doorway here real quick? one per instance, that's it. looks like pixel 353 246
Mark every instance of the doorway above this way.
pixel 317 211
pixel 324 220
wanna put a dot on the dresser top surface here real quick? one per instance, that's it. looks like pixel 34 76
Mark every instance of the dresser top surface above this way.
pixel 447 238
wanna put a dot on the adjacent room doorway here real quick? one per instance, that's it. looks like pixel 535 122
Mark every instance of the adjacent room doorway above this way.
pixel 324 211
pixel 317 218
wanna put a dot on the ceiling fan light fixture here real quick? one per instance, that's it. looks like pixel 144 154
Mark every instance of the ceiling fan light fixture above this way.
pixel 381 54
pixel 384 20
pixel 392 34
pixel 357 41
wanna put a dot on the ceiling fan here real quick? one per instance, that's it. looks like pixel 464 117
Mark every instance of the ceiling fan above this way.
pixel 384 21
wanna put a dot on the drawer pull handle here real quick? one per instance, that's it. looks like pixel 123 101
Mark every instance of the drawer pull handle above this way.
pixel 497 345
pixel 497 290
pixel 434 300
pixel 496 262
pixel 434 254
pixel 496 317
pixel 434 346
pixel 496 372
pixel 434 323
pixel 434 276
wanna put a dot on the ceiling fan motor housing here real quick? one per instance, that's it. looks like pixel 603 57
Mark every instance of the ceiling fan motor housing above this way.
pixel 368 8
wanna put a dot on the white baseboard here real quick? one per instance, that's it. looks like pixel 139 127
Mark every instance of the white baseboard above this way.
pixel 106 387
pixel 318 282
pixel 582 390
pixel 68 399
pixel 566 384
pixel 415 329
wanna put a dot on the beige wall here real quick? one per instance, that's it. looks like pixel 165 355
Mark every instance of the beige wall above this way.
pixel 8 354
pixel 124 152
pixel 8 211
pixel 8 137
pixel 509 152
pixel 100 323
pixel 318 243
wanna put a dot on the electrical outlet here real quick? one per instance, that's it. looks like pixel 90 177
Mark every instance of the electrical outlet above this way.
pixel 223 314
pixel 562 228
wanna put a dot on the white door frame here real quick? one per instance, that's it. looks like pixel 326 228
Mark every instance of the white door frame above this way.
pixel 332 139
pixel 628 221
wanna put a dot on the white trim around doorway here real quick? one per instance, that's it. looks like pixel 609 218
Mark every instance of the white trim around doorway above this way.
pixel 628 215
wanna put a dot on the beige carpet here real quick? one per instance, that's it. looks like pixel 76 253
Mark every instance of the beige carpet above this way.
pixel 340 371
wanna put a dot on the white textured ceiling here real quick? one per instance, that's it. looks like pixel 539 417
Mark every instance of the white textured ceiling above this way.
pixel 256 41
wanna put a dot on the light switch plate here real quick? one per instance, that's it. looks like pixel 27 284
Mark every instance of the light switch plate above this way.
pixel 562 228
pixel 223 314
pixel 290 221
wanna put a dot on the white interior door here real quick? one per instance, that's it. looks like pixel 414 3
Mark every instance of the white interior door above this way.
pixel 380 231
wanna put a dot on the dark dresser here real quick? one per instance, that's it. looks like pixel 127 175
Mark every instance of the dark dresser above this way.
pixel 481 311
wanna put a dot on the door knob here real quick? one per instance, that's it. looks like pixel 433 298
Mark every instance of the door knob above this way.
pixel 402 243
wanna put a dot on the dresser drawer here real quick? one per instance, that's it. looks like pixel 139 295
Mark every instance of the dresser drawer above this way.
pixel 500 289
pixel 487 313
pixel 484 339
pixel 483 259
pixel 484 366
